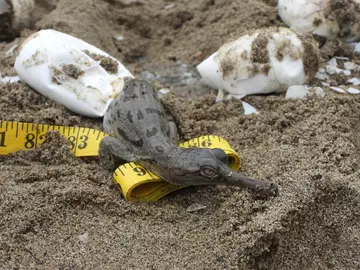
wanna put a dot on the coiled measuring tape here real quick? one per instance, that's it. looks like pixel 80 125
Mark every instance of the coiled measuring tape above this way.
pixel 136 183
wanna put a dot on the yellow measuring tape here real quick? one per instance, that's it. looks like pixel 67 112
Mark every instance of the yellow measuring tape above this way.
pixel 135 182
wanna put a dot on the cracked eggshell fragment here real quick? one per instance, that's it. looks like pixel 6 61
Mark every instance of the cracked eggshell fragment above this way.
pixel 298 92
pixel 322 17
pixel 70 72
pixel 15 15
pixel 262 61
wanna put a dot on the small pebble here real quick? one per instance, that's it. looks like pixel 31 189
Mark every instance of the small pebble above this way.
pixel 331 70
pixel 320 76
pixel 332 62
pixel 119 38
pixel 164 91
pixel 346 72
pixel 170 6
pixel 84 237
pixel 350 66
pixel 318 91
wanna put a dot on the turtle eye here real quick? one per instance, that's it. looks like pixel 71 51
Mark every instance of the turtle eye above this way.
pixel 220 154
pixel 208 171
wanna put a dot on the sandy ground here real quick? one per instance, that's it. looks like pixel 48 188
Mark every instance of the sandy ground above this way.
pixel 62 212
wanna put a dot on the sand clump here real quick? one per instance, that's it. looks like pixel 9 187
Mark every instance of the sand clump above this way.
pixel 62 212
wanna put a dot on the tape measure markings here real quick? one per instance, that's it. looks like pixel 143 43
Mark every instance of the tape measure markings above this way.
pixel 16 136
pixel 149 173
pixel 17 130
pixel 136 183
pixel 77 139
pixel 119 169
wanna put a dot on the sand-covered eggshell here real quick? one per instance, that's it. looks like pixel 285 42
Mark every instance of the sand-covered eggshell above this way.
pixel 262 61
pixel 70 71
pixel 329 18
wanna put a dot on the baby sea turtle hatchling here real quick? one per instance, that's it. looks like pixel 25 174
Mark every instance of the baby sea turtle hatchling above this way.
pixel 141 132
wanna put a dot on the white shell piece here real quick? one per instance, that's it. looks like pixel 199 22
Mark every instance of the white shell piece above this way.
pixel 353 91
pixel 195 207
pixel 9 79
pixel 41 63
pixel 298 92
pixel 232 68
pixel 312 16
pixel 354 81
pixel 248 109
pixel 337 89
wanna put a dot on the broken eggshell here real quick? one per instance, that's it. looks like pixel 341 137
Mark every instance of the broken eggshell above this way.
pixel 263 61
pixel 15 15
pixel 70 72
pixel 322 17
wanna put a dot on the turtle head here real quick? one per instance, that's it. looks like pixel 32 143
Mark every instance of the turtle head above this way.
pixel 204 166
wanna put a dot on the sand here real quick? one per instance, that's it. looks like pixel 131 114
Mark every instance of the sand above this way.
pixel 62 212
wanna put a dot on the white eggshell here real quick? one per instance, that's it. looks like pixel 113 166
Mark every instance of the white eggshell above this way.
pixel 248 109
pixel 9 79
pixel 302 15
pixel 234 67
pixel 353 91
pixel 316 16
pixel 42 62
pixel 298 92
pixel 354 81
pixel 337 89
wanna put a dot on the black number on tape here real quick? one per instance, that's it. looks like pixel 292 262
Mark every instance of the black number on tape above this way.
pixel 139 171
pixel 30 141
pixel 42 137
pixel 206 143
pixel 72 139
pixel 83 143
pixel 2 139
